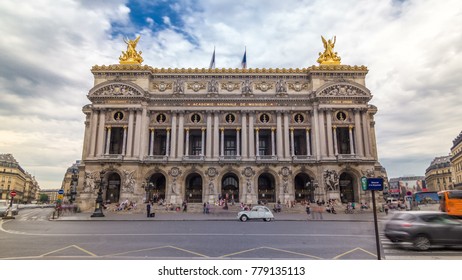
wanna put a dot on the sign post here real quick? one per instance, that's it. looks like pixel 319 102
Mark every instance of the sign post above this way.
pixel 9 215
pixel 375 184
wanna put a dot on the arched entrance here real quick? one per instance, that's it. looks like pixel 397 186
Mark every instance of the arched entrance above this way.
pixel 113 188
pixel 266 188
pixel 193 192
pixel 230 187
pixel 346 184
pixel 304 188
pixel 156 188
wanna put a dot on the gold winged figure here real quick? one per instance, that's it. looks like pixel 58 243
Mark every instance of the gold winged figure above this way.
pixel 131 56
pixel 328 57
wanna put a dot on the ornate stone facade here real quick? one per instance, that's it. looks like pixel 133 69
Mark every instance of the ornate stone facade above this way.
pixel 242 134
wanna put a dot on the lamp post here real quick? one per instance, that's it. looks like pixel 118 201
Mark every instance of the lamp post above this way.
pixel 73 190
pixel 99 199
pixel 148 186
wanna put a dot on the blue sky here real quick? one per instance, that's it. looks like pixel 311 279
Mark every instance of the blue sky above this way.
pixel 413 50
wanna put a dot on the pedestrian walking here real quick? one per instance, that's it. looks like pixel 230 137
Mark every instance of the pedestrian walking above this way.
pixel 308 209
pixel 148 209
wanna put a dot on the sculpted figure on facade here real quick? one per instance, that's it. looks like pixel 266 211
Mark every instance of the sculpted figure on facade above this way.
pixel 211 187
pixel 178 87
pixel 285 185
pixel 331 180
pixel 249 185
pixel 281 87
pixel 247 87
pixel 212 86
pixel 129 181
pixel 89 182
pixel 369 173
pixel 328 57
pixel 174 186
pixel 131 56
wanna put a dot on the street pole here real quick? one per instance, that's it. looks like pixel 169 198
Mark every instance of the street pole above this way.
pixel 9 215
pixel 99 200
pixel 377 240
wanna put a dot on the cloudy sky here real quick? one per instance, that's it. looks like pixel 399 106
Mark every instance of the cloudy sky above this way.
pixel 413 50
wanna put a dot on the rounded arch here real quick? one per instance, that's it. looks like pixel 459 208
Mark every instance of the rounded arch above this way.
pixel 114 182
pixel 266 187
pixel 304 187
pixel 156 187
pixel 347 183
pixel 193 188
pixel 230 187
pixel 349 88
pixel 100 88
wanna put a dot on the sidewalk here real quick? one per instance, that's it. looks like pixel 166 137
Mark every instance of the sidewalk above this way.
pixel 221 215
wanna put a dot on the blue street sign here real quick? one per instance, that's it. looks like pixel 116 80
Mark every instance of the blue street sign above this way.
pixel 375 184
pixel 61 192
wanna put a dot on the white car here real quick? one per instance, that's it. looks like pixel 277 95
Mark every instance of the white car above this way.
pixel 4 204
pixel 257 212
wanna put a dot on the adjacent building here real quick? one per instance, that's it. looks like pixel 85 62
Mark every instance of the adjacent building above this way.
pixel 14 177
pixel 456 161
pixel 69 184
pixel 406 185
pixel 247 135
pixel 438 175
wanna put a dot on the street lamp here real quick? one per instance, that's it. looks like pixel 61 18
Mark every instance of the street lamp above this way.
pixel 148 186
pixel 73 189
pixel 99 199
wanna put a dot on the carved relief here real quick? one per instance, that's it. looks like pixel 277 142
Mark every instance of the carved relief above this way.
pixel 117 89
pixel 281 86
pixel 212 86
pixel 196 86
pixel 89 182
pixel 162 86
pixel 331 180
pixel 297 86
pixel 129 181
pixel 342 90
pixel 247 87
pixel 178 87
pixel 230 86
pixel 263 86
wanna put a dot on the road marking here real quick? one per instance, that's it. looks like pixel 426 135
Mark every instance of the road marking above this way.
pixel 270 248
pixel 353 250
pixel 156 248
pixel 70 246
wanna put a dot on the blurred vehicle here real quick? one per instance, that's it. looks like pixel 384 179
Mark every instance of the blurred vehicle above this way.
pixel 257 212
pixel 4 204
pixel 451 202
pixel 424 229
pixel 392 202
pixel 427 201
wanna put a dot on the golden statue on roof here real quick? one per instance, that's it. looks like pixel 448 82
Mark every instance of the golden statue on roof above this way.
pixel 328 57
pixel 131 56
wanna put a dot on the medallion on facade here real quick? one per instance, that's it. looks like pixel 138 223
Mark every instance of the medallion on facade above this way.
pixel 196 86
pixel 299 118
pixel 196 118
pixel 264 118
pixel 161 118
pixel 212 172
pixel 263 86
pixel 161 86
pixel 248 172
pixel 118 116
pixel 174 172
pixel 341 116
pixel 297 86
pixel 230 86
pixel 230 118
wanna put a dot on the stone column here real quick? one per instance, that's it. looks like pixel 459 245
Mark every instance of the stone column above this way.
pixel 137 138
pixel 257 148
pixel 187 142
pixel 329 133
pixel 244 135
pixel 167 144
pixel 286 136
pixel 316 136
pixel 292 141
pixel 308 144
pixel 273 142
pixel 358 134
pixel 180 144
pixel 173 136
pixel 202 140
pixel 108 140
pixel 238 144
pixel 151 144
pixel 222 141
pixel 367 142
pixel 216 135
pixel 279 139
pixel 94 131
pixel 124 141
pixel 101 132
pixel 334 132
pixel 322 133
pixel 209 136
pixel 251 136
pixel 350 131
pixel 131 116
pixel 144 134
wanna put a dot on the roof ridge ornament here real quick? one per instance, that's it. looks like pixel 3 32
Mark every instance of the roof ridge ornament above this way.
pixel 328 57
pixel 131 56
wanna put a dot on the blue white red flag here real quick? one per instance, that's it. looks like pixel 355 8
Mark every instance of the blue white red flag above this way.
pixel 212 62
pixel 244 60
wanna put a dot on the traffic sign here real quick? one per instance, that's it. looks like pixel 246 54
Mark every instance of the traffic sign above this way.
pixel 60 196
pixel 364 183
pixel 375 184
pixel 408 198
pixel 61 191
pixel 13 193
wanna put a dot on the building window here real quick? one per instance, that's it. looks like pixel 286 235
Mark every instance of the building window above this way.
pixel 230 145
pixel 196 144
pixel 117 135
pixel 300 142
pixel 160 143
pixel 343 140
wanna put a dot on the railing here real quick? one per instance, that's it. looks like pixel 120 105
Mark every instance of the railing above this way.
pixel 230 158
pixel 157 158
pixel 193 158
pixel 266 158
pixel 113 156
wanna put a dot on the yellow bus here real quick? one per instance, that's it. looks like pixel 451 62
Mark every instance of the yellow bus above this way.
pixel 451 202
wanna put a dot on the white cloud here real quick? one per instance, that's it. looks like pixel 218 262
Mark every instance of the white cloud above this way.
pixel 412 49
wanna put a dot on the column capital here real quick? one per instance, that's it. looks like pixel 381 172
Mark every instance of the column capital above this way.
pixel 273 129
pixel 125 126
pixel 108 127
pixel 203 128
pixel 222 129
pixel 168 129
pixel 186 128
pixel 292 129
pixel 238 129
pixel 334 127
pixel 351 127
pixel 257 129
pixel 308 129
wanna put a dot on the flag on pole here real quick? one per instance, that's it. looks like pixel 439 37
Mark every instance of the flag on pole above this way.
pixel 212 62
pixel 244 59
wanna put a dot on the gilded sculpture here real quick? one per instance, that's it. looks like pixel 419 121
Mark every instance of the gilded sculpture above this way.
pixel 328 57
pixel 131 56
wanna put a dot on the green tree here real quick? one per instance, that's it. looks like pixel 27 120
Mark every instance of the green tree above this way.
pixel 44 198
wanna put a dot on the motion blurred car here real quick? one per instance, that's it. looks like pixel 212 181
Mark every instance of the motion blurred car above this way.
pixel 257 212
pixel 424 229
